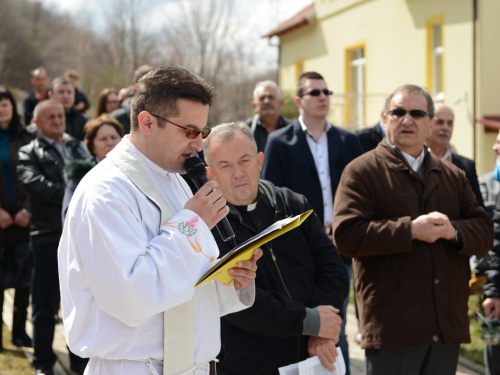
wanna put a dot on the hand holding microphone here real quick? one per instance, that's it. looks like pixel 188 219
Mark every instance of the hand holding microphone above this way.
pixel 210 200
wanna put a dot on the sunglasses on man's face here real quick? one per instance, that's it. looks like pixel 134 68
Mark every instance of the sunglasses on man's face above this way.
pixel 415 113
pixel 317 92
pixel 190 133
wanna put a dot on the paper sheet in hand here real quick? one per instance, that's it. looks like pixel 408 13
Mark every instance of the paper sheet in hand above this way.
pixel 219 271
pixel 313 366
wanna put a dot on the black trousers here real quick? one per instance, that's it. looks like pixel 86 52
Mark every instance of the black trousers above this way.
pixel 492 359
pixel 46 299
pixel 413 360
pixel 20 313
pixel 45 303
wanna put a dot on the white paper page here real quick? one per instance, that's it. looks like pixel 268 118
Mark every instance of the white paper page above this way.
pixel 273 227
pixel 313 366
pixel 290 369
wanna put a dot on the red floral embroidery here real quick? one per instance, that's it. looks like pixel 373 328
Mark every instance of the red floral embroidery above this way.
pixel 187 228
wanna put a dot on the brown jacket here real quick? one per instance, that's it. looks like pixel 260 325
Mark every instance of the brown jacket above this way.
pixel 408 292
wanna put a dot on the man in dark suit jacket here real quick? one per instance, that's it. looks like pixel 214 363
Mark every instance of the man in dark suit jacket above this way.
pixel 309 155
pixel 371 137
pixel 439 143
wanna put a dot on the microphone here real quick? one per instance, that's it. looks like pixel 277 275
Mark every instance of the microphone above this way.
pixel 198 174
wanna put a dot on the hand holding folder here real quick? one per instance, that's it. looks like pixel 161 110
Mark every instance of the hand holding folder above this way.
pixel 219 271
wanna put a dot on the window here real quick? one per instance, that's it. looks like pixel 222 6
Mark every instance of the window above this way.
pixel 435 56
pixel 355 86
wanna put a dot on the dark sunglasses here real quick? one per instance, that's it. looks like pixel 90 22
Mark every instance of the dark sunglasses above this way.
pixel 415 113
pixel 190 133
pixel 317 92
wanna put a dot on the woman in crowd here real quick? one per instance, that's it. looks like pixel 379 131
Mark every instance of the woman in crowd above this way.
pixel 108 102
pixel 14 218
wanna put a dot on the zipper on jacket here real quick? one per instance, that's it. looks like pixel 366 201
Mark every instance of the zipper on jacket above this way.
pixel 279 272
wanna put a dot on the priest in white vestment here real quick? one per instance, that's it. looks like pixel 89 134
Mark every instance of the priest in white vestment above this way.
pixel 136 241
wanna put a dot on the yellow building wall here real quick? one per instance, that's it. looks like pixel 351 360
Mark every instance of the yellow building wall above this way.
pixel 395 35
pixel 488 53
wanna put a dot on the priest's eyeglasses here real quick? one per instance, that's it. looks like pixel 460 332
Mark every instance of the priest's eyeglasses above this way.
pixel 415 113
pixel 190 133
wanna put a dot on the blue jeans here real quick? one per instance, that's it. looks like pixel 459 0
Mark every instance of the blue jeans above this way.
pixel 344 346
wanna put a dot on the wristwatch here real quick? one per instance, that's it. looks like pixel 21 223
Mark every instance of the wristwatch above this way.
pixel 26 212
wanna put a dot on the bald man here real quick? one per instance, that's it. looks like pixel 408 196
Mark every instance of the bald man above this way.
pixel 439 143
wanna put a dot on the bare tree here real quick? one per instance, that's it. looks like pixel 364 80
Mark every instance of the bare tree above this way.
pixel 128 41
pixel 208 38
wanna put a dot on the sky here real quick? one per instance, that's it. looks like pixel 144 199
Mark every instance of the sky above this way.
pixel 260 17
pixel 268 11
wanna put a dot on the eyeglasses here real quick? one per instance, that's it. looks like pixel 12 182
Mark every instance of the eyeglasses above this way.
pixel 190 133
pixel 317 92
pixel 442 122
pixel 415 113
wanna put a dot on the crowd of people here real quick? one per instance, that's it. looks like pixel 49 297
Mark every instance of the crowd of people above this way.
pixel 98 217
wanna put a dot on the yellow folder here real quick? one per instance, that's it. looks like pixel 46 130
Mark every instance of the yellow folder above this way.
pixel 219 271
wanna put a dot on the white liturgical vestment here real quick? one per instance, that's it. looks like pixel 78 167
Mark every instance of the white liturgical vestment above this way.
pixel 119 271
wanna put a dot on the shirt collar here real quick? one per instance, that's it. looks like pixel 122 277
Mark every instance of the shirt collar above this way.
pixel 447 154
pixel 415 163
pixel 382 127
pixel 305 129
pixel 51 142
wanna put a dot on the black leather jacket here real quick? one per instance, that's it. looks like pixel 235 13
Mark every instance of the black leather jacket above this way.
pixel 40 172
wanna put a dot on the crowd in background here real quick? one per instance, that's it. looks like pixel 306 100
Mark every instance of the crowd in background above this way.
pixel 48 149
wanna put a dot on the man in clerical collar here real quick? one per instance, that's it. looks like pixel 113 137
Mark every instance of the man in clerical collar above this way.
pixel 267 103
pixel 410 221
pixel 302 281
pixel 439 143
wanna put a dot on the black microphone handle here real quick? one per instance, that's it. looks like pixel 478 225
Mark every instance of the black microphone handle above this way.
pixel 223 226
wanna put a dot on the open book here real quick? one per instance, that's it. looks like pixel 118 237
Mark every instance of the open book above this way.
pixel 219 271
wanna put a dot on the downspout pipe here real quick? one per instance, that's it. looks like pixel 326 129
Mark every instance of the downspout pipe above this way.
pixel 474 75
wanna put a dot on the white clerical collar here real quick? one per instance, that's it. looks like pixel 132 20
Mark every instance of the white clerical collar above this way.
pixel 415 163
pixel 306 130
pixel 251 206
pixel 144 159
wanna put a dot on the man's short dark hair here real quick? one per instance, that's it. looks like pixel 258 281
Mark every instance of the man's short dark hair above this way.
pixel 412 90
pixel 303 77
pixel 160 89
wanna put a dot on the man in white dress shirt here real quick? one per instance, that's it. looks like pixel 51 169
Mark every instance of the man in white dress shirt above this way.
pixel 136 241
pixel 309 155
